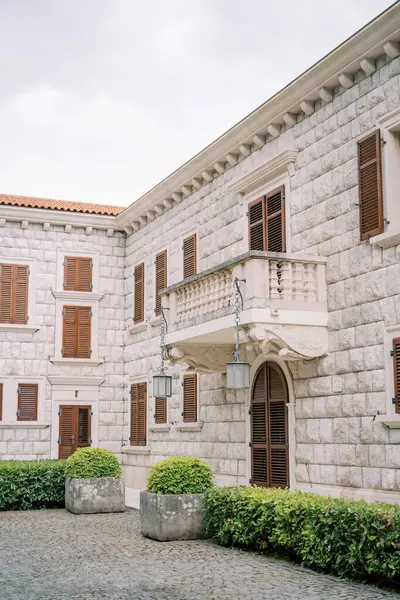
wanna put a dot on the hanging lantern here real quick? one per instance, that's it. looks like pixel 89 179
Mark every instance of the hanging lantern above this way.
pixel 237 372
pixel 162 383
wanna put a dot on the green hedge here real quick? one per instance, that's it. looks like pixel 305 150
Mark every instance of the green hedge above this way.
pixel 347 538
pixel 26 485
pixel 180 475
pixel 87 463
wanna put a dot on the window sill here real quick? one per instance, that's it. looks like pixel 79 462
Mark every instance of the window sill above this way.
pixel 86 296
pixel 135 450
pixel 159 427
pixel 137 328
pixel 155 321
pixel 387 239
pixel 24 425
pixel 94 362
pixel 191 426
pixel 391 421
pixel 22 328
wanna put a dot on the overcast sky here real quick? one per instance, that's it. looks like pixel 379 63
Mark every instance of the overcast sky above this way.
pixel 101 99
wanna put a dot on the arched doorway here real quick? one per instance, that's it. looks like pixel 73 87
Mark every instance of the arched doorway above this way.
pixel 269 428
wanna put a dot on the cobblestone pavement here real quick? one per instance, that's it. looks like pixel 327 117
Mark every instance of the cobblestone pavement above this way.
pixel 52 555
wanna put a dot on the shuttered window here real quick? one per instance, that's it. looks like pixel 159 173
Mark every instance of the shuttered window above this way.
pixel 160 413
pixel 1 401
pixel 189 398
pixel 396 370
pixel 27 402
pixel 14 294
pixel 74 429
pixel 269 442
pixel 189 256
pixel 370 186
pixel 138 293
pixel 76 332
pixel 138 414
pixel 267 222
pixel 161 278
pixel 78 274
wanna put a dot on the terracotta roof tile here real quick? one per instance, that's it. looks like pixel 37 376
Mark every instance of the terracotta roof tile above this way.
pixel 65 205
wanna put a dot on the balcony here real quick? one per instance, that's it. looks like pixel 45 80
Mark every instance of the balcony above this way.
pixel 284 310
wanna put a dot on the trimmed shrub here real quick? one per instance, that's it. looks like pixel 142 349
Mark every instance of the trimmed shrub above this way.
pixel 180 475
pixel 344 537
pixel 26 485
pixel 88 463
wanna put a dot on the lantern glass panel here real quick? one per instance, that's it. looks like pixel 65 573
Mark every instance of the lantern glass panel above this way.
pixel 162 386
pixel 237 375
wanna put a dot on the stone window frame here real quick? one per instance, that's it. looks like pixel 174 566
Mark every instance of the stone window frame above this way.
pixel 197 425
pixel 31 326
pixel 95 256
pixel 186 234
pixel 10 402
pixel 153 319
pixel 94 426
pixel 128 449
pixel 390 419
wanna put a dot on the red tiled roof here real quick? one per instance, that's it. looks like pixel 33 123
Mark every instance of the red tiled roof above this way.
pixel 65 205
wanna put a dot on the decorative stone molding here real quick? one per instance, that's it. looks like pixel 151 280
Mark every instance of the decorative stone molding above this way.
pixel 391 421
pixel 368 66
pixel 392 49
pixel 272 168
pixel 77 296
pixel 202 359
pixel 74 380
pixel 290 342
pixel 136 450
pixel 346 80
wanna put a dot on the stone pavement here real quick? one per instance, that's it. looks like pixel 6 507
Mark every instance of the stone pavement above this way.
pixel 54 555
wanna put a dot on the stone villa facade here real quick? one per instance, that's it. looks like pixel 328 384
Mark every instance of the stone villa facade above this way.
pixel 300 200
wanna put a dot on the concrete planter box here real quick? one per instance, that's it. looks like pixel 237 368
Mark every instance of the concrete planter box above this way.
pixel 99 495
pixel 171 517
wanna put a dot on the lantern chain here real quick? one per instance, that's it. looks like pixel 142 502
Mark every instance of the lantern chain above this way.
pixel 238 308
pixel 164 330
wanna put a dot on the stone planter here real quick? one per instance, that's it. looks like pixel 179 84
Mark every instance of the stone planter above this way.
pixel 171 517
pixel 99 495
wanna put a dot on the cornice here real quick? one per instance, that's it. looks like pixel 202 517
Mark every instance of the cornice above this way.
pixel 262 174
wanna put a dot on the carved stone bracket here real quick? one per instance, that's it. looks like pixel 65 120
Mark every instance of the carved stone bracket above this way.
pixel 290 342
pixel 201 358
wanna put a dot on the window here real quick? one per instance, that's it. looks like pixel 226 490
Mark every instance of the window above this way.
pixel 396 372
pixel 138 414
pixel 1 401
pixel 27 402
pixel 370 186
pixel 267 222
pixel 160 413
pixel 78 274
pixel 14 294
pixel 189 256
pixel 189 413
pixel 74 429
pixel 76 333
pixel 138 294
pixel 161 278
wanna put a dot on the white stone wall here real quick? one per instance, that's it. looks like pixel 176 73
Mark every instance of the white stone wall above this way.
pixel 27 354
pixel 337 441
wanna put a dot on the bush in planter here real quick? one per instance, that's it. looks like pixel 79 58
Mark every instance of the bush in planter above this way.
pixel 90 463
pixel 26 485
pixel 180 475
pixel 348 538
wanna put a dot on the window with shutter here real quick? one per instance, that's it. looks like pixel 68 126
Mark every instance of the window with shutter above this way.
pixel 370 186
pixel 160 413
pixel 138 414
pixel 266 218
pixel 161 278
pixel 74 429
pixel 27 402
pixel 396 371
pixel 78 274
pixel 138 293
pixel 14 294
pixel 1 401
pixel 189 256
pixel 76 332
pixel 190 398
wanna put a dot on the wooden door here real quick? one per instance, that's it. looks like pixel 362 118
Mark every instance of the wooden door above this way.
pixel 269 429
pixel 74 429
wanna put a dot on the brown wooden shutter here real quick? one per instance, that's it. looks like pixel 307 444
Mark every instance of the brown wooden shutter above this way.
pixel 259 431
pixel 190 398
pixel 160 414
pixel 257 225
pixel 277 430
pixel 370 186
pixel 14 294
pixel 78 274
pixel 138 414
pixel 275 211
pixel 66 440
pixel 396 371
pixel 27 402
pixel 189 256
pixel 138 300
pixel 76 332
pixel 161 278
pixel 83 426
pixel 1 401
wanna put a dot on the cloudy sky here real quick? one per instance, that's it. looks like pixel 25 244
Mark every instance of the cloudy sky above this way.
pixel 101 99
